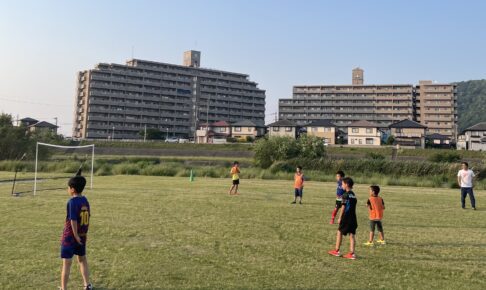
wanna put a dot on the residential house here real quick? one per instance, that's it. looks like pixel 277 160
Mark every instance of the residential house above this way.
pixel 28 122
pixel 282 128
pixel 216 132
pixel 408 133
pixel 364 133
pixel 475 137
pixel 324 129
pixel 247 129
pixel 437 140
pixel 43 126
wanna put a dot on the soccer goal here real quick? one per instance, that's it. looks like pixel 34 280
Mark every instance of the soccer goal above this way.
pixel 55 163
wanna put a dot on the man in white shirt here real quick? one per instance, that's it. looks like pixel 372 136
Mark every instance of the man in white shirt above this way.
pixel 465 180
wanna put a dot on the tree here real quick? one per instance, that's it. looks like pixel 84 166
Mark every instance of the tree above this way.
pixel 152 134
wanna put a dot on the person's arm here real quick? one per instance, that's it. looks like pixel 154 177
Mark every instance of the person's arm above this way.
pixel 74 226
pixel 343 205
pixel 459 178
pixel 368 204
pixel 383 202
pixel 303 179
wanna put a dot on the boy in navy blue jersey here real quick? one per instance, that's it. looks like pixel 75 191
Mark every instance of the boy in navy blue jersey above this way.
pixel 348 222
pixel 74 235
pixel 339 193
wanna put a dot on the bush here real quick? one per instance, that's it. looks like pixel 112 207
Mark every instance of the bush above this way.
pixel 231 140
pixel 375 156
pixel 268 151
pixel 250 139
pixel 448 157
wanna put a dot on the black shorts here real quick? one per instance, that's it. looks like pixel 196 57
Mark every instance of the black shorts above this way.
pixel 339 203
pixel 374 224
pixel 67 252
pixel 348 227
pixel 236 182
pixel 299 192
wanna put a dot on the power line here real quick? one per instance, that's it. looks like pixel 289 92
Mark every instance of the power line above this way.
pixel 32 103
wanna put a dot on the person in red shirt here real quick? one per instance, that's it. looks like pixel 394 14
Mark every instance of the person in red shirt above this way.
pixel 298 185
pixel 376 206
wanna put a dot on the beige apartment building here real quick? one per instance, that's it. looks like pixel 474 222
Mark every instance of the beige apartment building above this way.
pixel 437 108
pixel 120 100
pixel 364 133
pixel 430 104
pixel 324 129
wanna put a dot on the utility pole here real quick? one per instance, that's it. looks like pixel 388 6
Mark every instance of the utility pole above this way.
pixel 55 118
pixel 145 133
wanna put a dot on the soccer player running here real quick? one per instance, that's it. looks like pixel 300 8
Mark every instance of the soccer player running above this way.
pixel 348 222
pixel 465 180
pixel 235 177
pixel 339 195
pixel 73 239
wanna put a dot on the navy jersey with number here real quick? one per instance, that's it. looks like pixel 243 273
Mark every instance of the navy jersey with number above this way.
pixel 77 209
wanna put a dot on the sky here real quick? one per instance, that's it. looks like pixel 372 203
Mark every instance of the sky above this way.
pixel 43 44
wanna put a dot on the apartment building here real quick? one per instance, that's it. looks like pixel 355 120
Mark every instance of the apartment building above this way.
pixel 436 108
pixel 119 100
pixel 431 104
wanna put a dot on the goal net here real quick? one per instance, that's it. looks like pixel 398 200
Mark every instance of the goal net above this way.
pixel 52 166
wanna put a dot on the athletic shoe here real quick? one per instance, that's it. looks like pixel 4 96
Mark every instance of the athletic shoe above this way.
pixel 331 222
pixel 369 244
pixel 463 208
pixel 350 256
pixel 89 287
pixel 300 202
pixel 334 253
pixel 474 208
pixel 293 202
pixel 382 242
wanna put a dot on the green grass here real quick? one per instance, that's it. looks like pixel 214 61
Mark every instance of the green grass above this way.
pixel 162 232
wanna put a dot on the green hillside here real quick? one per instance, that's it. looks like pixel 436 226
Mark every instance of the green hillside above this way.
pixel 471 102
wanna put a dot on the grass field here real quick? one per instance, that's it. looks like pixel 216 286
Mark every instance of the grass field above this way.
pixel 163 232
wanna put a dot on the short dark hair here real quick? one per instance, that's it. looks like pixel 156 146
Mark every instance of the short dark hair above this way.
pixel 349 181
pixel 341 173
pixel 465 163
pixel 78 183
pixel 236 162
pixel 375 189
pixel 299 167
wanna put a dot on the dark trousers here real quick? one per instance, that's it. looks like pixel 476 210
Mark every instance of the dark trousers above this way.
pixel 465 191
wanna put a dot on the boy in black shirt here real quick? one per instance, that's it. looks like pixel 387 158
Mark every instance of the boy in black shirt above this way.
pixel 347 220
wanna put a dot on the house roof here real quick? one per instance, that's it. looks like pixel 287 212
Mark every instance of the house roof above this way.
pixel 321 123
pixel 43 124
pixel 220 124
pixel 407 124
pixel 478 127
pixel 437 136
pixel 246 123
pixel 28 119
pixel 282 123
pixel 364 124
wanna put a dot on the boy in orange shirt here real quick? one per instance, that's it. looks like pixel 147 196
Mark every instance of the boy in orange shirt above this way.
pixel 298 185
pixel 235 177
pixel 376 206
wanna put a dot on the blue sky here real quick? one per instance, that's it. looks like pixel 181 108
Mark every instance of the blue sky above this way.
pixel 278 43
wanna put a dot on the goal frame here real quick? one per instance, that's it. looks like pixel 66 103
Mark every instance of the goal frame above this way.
pixel 63 147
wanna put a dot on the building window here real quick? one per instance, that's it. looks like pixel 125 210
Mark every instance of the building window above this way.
pixel 222 129
pixel 369 141
pixel 360 142
pixel 327 129
pixel 275 129
pixel 288 129
pixel 250 129
pixel 237 129
pixel 355 130
pixel 352 141
pixel 314 129
pixel 369 130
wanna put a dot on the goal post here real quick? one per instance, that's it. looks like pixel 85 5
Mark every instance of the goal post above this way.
pixel 36 167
